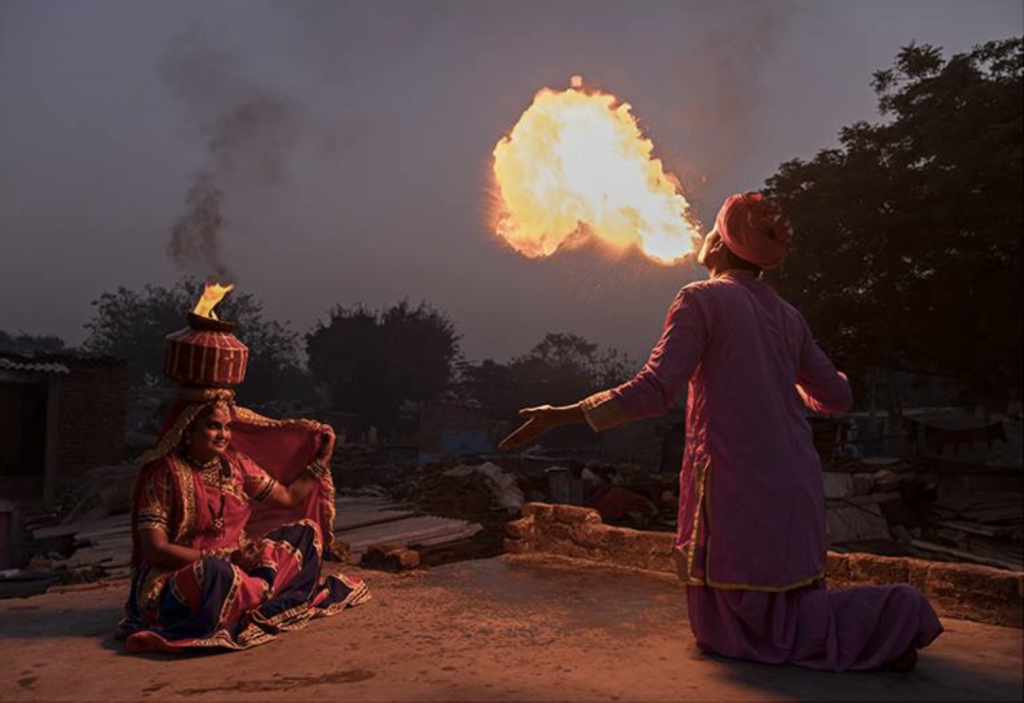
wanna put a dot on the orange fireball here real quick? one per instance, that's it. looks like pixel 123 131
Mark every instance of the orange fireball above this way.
pixel 577 165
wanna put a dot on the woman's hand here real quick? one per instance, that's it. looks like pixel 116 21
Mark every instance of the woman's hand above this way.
pixel 327 444
pixel 541 420
pixel 247 557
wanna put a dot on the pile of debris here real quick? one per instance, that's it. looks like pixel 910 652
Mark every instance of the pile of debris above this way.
pixel 483 493
pixel 892 507
pixel 89 550
pixel 367 527
pixel 987 528
pixel 449 489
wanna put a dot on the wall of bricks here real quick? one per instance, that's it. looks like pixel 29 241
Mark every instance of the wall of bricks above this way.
pixel 92 406
pixel 968 592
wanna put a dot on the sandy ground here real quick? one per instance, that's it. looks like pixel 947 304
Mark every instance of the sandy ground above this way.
pixel 522 628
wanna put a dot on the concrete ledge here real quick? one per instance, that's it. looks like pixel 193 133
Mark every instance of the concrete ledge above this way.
pixel 963 591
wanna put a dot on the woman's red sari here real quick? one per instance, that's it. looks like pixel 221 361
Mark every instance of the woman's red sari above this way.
pixel 212 602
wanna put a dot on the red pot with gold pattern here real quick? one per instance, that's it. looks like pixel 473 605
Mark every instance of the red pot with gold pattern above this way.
pixel 205 353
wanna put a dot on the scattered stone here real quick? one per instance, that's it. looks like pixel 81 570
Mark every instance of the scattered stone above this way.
pixel 856 523
pixel 392 558
pixel 838 485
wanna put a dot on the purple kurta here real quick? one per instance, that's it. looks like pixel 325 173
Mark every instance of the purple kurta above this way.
pixel 751 502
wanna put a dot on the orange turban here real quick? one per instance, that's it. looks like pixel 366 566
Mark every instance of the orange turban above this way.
pixel 755 229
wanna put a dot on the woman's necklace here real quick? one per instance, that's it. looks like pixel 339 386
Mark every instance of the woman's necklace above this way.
pixel 212 474
pixel 210 471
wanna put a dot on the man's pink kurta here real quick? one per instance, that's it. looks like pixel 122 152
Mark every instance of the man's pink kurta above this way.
pixel 751 507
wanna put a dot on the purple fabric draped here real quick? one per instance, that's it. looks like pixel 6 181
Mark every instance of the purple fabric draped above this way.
pixel 751 541
pixel 848 629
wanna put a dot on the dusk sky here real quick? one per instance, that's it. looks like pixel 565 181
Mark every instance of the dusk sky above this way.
pixel 373 184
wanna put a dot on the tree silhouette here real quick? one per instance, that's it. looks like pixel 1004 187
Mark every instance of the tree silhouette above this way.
pixel 908 236
pixel 372 362
pixel 133 323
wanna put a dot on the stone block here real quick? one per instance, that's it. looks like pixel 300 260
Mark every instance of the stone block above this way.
pixel 538 511
pixel 517 546
pixel 662 563
pixel 652 543
pixel 868 568
pixel 855 524
pixel 863 484
pixel 393 558
pixel 523 528
pixel 558 530
pixel 837 567
pixel 576 514
pixel 837 485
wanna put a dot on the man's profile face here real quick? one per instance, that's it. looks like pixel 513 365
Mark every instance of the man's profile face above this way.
pixel 712 238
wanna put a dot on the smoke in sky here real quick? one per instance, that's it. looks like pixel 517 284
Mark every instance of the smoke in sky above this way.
pixel 723 64
pixel 247 127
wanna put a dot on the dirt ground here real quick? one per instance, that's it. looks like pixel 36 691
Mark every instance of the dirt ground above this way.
pixel 512 628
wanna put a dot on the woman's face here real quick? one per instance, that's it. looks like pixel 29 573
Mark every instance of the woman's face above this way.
pixel 211 434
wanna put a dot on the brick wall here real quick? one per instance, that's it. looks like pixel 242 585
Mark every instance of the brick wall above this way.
pixel 92 407
pixel 964 591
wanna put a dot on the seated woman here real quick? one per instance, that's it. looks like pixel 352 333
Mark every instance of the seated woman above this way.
pixel 199 578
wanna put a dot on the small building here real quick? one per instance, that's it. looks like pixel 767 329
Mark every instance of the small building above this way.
pixel 454 428
pixel 63 414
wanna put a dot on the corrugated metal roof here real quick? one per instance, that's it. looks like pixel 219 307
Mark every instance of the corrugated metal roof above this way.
pixel 34 366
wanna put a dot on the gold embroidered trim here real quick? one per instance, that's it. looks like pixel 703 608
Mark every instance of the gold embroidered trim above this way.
pixel 182 475
pixel 360 593
pixel 701 470
pixel 151 585
pixel 152 523
pixel 253 418
pixel 176 592
pixel 603 411
pixel 232 596
pixel 704 508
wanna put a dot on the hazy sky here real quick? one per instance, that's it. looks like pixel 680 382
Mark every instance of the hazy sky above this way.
pixel 370 182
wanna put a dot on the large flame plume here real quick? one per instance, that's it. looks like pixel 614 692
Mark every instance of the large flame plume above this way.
pixel 577 164
pixel 212 294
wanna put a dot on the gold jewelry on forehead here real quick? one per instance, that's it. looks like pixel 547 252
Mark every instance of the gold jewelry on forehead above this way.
pixel 220 404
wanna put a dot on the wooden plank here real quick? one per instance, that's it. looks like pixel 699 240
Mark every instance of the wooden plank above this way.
pixel 354 521
pixel 468 531
pixel 971 527
pixel 851 523
pixel 107 560
pixel 402 536
pixel 87 535
pixel 400 533
pixel 870 499
pixel 966 556
pixel 379 503
pixel 412 522
pixel 121 572
pixel 75 527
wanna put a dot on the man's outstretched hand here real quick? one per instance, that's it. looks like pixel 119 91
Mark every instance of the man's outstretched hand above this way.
pixel 540 420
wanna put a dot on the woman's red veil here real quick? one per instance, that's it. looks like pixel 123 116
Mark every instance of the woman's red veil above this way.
pixel 283 448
